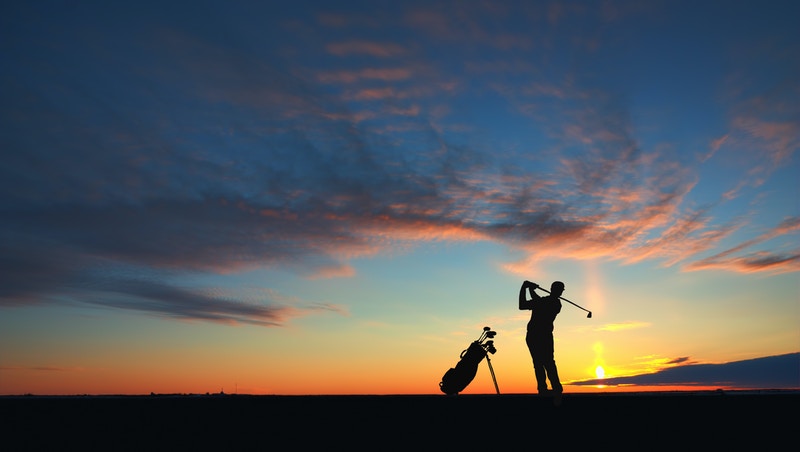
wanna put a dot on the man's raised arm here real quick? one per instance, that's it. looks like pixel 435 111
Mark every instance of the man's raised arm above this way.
pixel 524 303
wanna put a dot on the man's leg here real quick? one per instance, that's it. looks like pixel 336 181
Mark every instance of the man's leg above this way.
pixel 548 362
pixel 538 365
pixel 552 374
pixel 541 377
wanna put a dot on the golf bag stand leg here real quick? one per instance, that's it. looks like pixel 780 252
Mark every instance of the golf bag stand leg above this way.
pixel 491 369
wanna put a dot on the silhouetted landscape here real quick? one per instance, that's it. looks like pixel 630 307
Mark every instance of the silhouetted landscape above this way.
pixel 401 422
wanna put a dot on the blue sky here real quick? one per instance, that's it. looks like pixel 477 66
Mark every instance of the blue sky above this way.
pixel 365 185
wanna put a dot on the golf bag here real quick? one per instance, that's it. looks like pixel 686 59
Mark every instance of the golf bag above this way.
pixel 459 377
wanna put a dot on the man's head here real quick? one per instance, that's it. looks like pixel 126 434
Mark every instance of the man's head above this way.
pixel 557 288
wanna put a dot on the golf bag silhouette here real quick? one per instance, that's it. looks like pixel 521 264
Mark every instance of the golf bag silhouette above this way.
pixel 459 377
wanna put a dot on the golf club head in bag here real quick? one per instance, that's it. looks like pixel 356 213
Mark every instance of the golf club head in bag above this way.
pixel 456 379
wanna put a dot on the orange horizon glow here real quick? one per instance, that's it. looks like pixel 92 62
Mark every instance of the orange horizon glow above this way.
pixel 234 390
pixel 72 382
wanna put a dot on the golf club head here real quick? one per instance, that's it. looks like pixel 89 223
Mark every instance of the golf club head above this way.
pixel 491 334
pixel 486 328
pixel 589 315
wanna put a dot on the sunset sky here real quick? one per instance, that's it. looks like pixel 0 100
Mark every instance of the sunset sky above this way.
pixel 336 197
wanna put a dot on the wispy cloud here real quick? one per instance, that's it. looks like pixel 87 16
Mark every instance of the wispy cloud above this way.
pixel 614 327
pixel 382 74
pixel 757 260
pixel 160 299
pixel 375 49
pixel 772 372
pixel 196 155
pixel 40 369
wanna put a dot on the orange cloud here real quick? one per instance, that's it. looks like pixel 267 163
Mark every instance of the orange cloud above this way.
pixel 614 327
pixel 365 48
pixel 383 74
pixel 759 261
pixel 714 147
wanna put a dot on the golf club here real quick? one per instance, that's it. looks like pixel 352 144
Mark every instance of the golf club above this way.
pixel 588 316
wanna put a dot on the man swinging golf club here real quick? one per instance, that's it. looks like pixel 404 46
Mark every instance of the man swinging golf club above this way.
pixel 540 334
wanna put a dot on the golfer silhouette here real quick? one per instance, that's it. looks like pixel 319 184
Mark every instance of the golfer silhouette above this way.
pixel 540 334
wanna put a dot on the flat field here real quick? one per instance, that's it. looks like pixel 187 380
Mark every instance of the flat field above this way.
pixel 626 421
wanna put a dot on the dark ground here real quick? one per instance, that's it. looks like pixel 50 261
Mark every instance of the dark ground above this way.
pixel 627 421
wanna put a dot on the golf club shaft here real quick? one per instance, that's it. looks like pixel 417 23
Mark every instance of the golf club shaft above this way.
pixel 573 304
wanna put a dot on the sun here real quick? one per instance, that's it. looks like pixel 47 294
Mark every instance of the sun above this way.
pixel 600 372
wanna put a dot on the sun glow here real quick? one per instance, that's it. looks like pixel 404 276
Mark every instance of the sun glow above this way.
pixel 600 372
